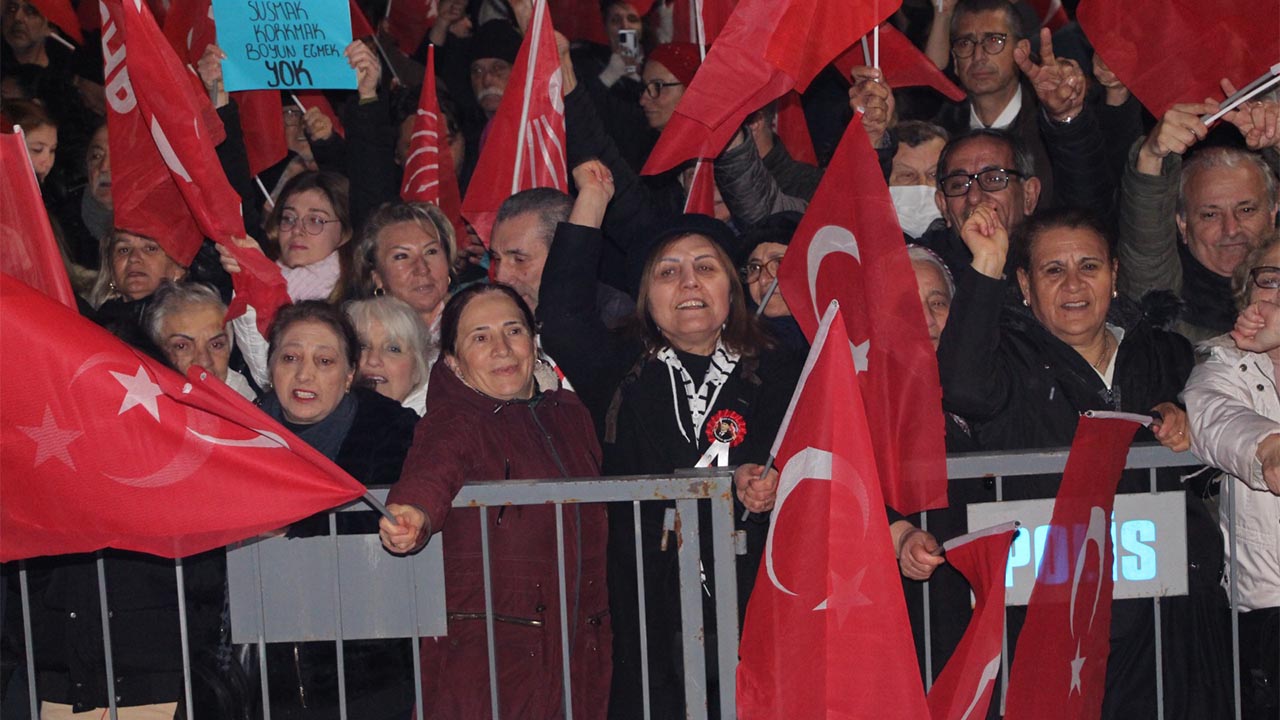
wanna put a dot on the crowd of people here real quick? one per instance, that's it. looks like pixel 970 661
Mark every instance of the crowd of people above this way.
pixel 1072 253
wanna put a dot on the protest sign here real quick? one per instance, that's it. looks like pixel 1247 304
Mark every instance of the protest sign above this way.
pixel 284 44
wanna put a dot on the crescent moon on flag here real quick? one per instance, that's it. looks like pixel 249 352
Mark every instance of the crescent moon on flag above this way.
pixel 1093 535
pixel 989 673
pixel 265 439
pixel 812 464
pixel 829 239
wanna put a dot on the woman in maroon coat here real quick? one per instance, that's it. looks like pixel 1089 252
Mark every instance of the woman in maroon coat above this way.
pixel 488 419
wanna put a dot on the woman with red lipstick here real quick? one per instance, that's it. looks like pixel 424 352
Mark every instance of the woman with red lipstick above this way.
pixel 492 414
pixel 314 352
pixel 133 267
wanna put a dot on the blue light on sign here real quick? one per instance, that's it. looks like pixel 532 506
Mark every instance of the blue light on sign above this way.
pixel 1134 555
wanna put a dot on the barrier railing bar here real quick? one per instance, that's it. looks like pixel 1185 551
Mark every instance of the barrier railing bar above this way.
pixel 726 580
pixel 488 609
pixel 182 630
pixel 564 613
pixel 415 650
pixel 106 637
pixel 692 622
pixel 262 633
pixel 928 621
pixel 644 618
pixel 337 619
pixel 1004 630
pixel 1155 621
pixel 1230 486
pixel 26 628
pixel 1053 460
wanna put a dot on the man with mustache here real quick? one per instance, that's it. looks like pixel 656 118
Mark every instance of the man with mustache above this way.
pixel 1221 200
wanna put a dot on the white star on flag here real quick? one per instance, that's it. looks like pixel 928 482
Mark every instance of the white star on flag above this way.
pixel 140 390
pixel 1076 666
pixel 51 440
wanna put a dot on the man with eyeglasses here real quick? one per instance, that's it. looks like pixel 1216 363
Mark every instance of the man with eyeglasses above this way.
pixel 1038 102
pixel 611 76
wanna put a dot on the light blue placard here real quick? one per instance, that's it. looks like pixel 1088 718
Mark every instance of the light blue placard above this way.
pixel 284 44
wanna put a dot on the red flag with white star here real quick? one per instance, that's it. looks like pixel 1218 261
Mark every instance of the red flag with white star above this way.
pixel 1060 665
pixel 826 632
pixel 963 689
pixel 525 147
pixel 102 446
pixel 849 248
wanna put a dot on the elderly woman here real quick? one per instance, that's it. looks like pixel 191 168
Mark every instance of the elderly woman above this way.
pixel 1023 376
pixel 406 251
pixel 186 321
pixel 698 371
pixel 395 353
pixel 314 353
pixel 490 418
pixel 132 268
pixel 1234 411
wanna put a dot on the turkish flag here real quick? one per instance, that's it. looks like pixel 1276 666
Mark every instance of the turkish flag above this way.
pixel 408 22
pixel 105 447
pixel 963 689
pixel 793 129
pixel 28 250
pixel 702 190
pixel 175 120
pixel 579 20
pixel 1175 51
pixel 360 27
pixel 525 145
pixel 429 175
pixel 849 247
pixel 766 49
pixel 1060 666
pixel 60 13
pixel 316 99
pixel 826 633
pixel 189 28
pixel 901 62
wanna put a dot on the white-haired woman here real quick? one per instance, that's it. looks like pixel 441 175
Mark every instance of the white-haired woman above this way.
pixel 186 320
pixel 396 352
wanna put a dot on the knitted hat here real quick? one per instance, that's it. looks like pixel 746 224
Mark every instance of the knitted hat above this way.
pixel 496 39
pixel 681 58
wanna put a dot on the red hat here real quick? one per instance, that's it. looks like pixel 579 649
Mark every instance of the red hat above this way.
pixel 681 58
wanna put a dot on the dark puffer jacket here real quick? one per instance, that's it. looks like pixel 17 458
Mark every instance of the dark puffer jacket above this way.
pixel 466 437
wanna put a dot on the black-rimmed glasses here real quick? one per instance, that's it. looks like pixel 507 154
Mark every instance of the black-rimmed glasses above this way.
pixel 990 180
pixel 992 44
pixel 1266 277
pixel 653 88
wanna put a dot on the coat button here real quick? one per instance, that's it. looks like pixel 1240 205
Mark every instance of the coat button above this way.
pixel 1260 388
pixel 73 616
pixel 1243 367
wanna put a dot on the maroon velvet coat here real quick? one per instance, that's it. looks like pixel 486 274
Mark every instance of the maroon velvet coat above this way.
pixel 466 437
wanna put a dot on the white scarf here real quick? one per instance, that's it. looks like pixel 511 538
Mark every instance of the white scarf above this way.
pixel 314 281
pixel 701 399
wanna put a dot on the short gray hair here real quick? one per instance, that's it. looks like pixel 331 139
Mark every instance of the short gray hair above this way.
pixel 401 322
pixel 425 215
pixel 172 297
pixel 1225 157
pixel 919 253
pixel 551 205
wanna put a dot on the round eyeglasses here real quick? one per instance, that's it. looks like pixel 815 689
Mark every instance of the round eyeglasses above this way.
pixel 992 44
pixel 311 224
pixel 990 180
pixel 751 272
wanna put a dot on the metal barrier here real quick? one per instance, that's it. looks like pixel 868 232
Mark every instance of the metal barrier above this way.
pixel 257 611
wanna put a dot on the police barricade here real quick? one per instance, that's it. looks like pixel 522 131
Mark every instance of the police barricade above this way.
pixel 337 587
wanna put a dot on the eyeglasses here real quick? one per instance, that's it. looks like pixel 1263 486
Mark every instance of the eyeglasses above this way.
pixel 990 180
pixel 311 224
pixel 751 272
pixel 992 44
pixel 653 88
pixel 1266 277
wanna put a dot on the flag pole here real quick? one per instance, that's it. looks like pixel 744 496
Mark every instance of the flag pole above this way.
pixel 298 102
pixel 531 61
pixel 62 41
pixel 1246 93
pixel 387 58
pixel 263 188
pixel 376 504
pixel 765 300
pixel 875 44
pixel 866 52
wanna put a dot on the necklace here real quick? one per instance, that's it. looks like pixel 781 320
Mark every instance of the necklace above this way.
pixel 1101 362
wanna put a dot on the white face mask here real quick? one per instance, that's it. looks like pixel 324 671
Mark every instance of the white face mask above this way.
pixel 915 206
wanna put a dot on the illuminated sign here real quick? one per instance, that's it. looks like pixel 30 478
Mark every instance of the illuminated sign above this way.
pixel 1148 536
